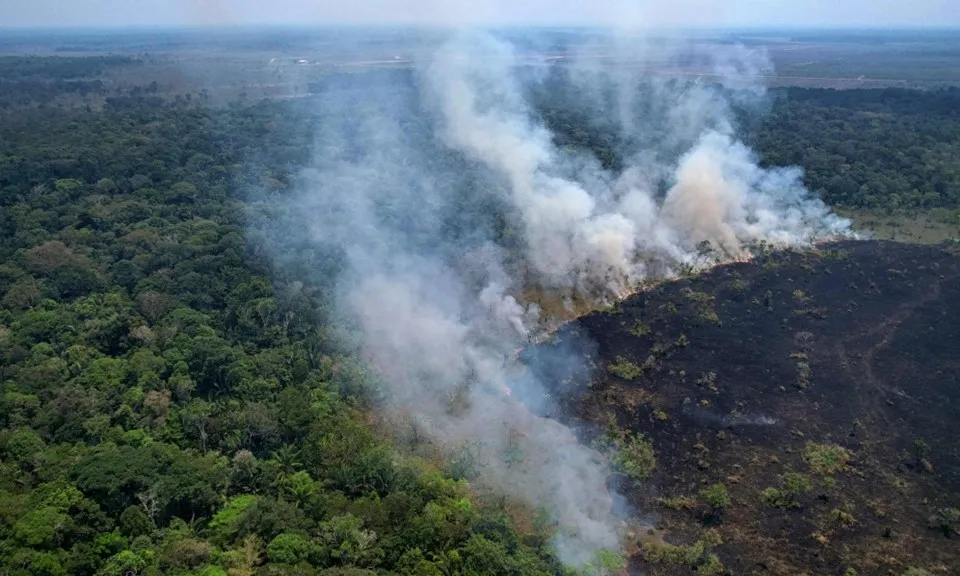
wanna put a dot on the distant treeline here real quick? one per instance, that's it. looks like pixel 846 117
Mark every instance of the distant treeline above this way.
pixel 14 68
pixel 32 80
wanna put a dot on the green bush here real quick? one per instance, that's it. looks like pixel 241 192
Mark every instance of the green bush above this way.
pixel 826 459
pixel 625 369
pixel 716 497
pixel 792 486
pixel 636 458
pixel 772 496
pixel 696 556
pixel 639 329
pixel 843 517
pixel 795 484
pixel 677 502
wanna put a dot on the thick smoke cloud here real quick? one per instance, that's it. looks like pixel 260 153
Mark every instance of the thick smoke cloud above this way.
pixel 447 197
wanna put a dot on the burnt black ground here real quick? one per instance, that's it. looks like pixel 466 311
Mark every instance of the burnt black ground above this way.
pixel 877 323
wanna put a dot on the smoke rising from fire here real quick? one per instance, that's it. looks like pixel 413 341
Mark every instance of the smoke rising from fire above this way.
pixel 446 194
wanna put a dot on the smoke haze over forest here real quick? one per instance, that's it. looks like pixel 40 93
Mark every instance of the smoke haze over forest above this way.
pixel 446 196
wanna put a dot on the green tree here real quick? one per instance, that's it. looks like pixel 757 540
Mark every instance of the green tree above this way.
pixel 289 549
pixel 225 524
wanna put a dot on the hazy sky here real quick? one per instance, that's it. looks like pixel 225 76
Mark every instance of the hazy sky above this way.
pixel 654 13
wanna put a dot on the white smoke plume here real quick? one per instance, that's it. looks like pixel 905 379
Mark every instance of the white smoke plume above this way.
pixel 409 171
pixel 590 232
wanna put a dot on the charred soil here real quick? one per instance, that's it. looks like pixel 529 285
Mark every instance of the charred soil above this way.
pixel 819 388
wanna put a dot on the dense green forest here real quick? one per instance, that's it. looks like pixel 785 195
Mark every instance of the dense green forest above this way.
pixel 172 404
pixel 887 149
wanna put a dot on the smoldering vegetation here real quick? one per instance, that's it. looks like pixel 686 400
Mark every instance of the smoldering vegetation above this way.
pixel 445 191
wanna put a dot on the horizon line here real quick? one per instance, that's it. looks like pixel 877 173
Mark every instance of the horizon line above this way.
pixel 250 26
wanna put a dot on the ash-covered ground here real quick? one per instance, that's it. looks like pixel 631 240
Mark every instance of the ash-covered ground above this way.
pixel 838 364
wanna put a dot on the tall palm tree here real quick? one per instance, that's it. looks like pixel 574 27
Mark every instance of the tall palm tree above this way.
pixel 287 459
